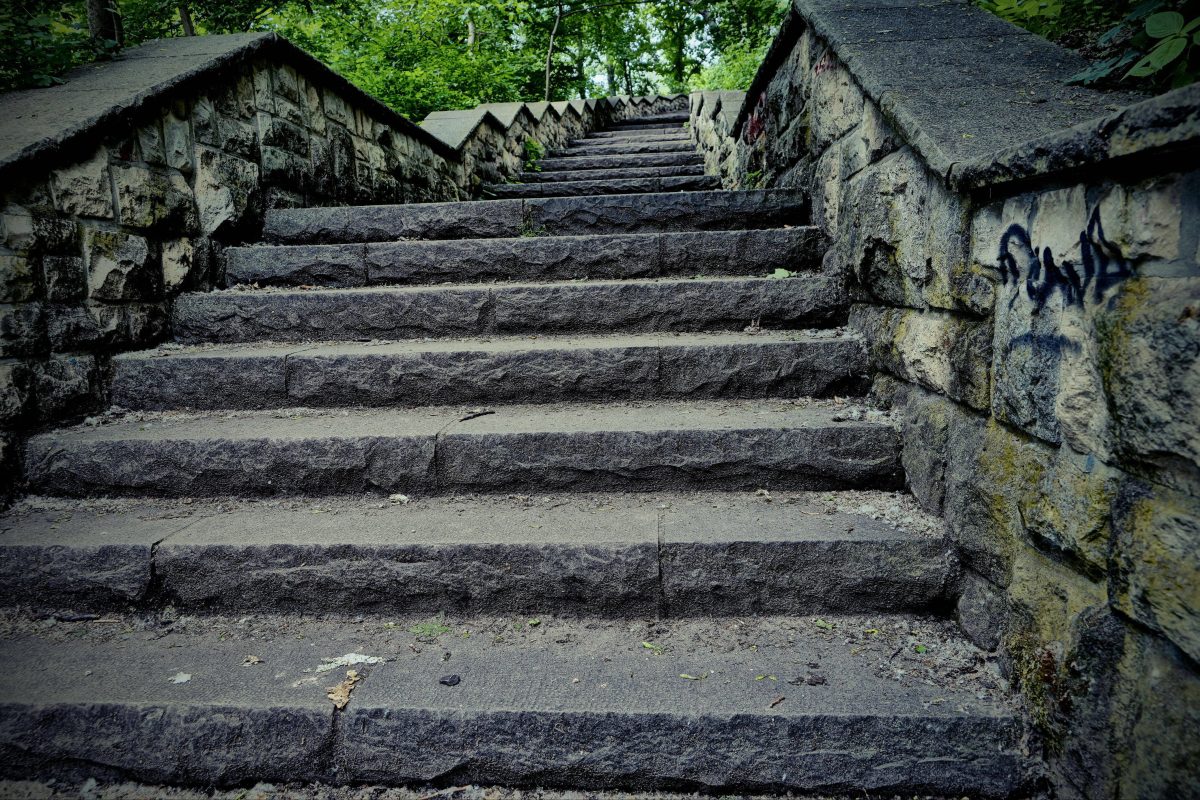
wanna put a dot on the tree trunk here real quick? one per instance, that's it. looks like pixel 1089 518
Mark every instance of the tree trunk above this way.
pixel 185 19
pixel 558 15
pixel 104 21
pixel 581 72
pixel 612 77
pixel 628 78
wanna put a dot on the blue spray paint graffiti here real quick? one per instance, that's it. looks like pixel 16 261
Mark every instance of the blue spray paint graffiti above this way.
pixel 1101 262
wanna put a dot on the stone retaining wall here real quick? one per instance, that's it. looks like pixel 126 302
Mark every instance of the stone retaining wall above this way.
pixel 121 188
pixel 1030 295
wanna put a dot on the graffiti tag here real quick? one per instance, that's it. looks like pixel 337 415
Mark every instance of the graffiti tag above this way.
pixel 1101 266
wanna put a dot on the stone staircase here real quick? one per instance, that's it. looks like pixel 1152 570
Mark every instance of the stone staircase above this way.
pixel 646 154
pixel 559 490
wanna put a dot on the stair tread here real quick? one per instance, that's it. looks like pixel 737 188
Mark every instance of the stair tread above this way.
pixel 296 424
pixel 601 186
pixel 548 702
pixel 599 554
pixel 710 517
pixel 490 344
pixel 706 209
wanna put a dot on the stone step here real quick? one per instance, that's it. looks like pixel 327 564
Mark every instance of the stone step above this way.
pixel 501 370
pixel 609 446
pixel 630 255
pixel 615 172
pixel 677 118
pixel 623 147
pixel 603 186
pixel 614 555
pixel 532 701
pixel 600 137
pixel 647 126
pixel 671 211
pixel 620 161
pixel 509 308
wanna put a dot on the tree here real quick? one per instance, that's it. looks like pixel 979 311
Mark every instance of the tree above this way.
pixel 104 21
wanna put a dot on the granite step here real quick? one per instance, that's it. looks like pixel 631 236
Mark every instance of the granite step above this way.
pixel 612 137
pixel 499 370
pixel 613 172
pixel 655 119
pixel 616 555
pixel 633 255
pixel 577 447
pixel 533 701
pixel 672 211
pixel 603 186
pixel 623 147
pixel 408 312
pixel 551 164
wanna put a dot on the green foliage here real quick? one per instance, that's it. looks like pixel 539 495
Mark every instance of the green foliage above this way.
pixel 425 55
pixel 733 69
pixel 40 40
pixel 1151 44
pixel 533 154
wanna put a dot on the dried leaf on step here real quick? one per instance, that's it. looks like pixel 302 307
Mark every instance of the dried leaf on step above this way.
pixel 340 694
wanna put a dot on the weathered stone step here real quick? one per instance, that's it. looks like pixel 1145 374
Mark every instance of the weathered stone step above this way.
pixel 638 127
pixel 605 174
pixel 604 186
pixel 515 308
pixel 727 444
pixel 599 555
pixel 672 211
pixel 623 147
pixel 630 255
pixel 612 137
pixel 620 161
pixel 655 119
pixel 502 370
pixel 579 704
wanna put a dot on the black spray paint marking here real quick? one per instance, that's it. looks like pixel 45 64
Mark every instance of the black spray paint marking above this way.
pixel 1102 264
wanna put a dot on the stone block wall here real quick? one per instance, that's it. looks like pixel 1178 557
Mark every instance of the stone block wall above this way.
pixel 1031 306
pixel 121 189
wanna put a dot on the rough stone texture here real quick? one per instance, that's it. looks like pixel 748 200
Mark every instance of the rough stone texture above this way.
pixel 565 216
pixel 417 312
pixel 241 456
pixel 768 558
pixel 944 352
pixel 618 172
pixel 499 370
pixel 665 445
pixel 605 711
pixel 79 560
pixel 754 252
pixel 605 186
pixel 733 444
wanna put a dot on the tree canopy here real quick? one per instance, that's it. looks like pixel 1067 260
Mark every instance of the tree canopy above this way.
pixel 424 55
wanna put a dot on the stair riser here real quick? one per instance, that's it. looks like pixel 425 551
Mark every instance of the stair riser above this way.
pixel 552 308
pixel 609 174
pixel 529 259
pixel 374 742
pixel 607 162
pixel 820 457
pixel 819 368
pixel 605 187
pixel 551 216
pixel 635 137
pixel 345 576
pixel 624 148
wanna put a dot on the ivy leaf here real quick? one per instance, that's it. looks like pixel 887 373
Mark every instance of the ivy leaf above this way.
pixel 1167 51
pixel 1164 24
pixel 1191 26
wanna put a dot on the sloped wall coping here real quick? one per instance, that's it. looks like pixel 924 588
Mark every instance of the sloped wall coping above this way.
pixel 982 101
pixel 61 121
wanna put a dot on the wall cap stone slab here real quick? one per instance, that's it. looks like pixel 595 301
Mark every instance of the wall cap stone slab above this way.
pixel 936 68
pixel 55 123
